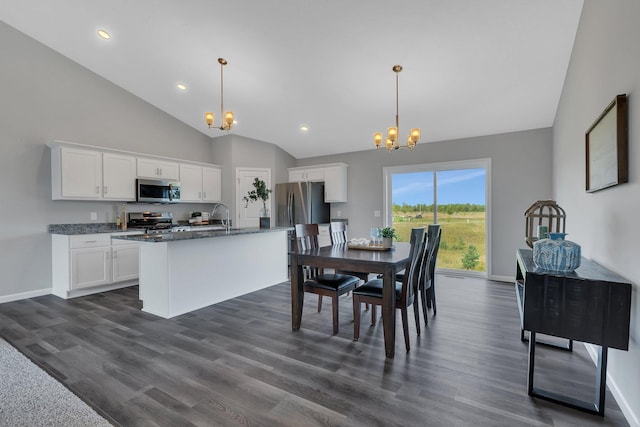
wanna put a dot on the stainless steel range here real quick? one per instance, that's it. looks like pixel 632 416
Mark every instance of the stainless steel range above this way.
pixel 154 222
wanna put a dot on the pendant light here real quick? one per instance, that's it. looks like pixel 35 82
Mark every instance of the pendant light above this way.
pixel 227 117
pixel 391 142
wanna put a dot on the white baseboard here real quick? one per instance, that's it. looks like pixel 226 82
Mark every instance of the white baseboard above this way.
pixel 496 278
pixel 25 295
pixel 626 409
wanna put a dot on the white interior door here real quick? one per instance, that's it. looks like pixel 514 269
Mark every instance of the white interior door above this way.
pixel 250 216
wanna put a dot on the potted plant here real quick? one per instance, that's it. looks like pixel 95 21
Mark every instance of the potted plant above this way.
pixel 260 192
pixel 388 234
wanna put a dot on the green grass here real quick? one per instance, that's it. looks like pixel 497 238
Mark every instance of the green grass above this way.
pixel 459 230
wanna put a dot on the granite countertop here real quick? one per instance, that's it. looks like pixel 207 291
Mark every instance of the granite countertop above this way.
pixel 106 227
pixel 88 228
pixel 190 235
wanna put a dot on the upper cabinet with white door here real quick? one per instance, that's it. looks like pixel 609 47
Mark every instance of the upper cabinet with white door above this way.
pixel 158 169
pixel 200 183
pixel 211 184
pixel 306 174
pixel 334 176
pixel 84 174
pixel 118 176
pixel 335 183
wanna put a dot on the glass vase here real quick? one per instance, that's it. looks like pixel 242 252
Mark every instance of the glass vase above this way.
pixel 556 254
pixel 265 218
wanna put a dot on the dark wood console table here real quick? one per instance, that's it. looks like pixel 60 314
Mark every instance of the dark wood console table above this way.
pixel 591 305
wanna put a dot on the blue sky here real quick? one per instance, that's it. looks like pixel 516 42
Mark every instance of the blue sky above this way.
pixel 455 186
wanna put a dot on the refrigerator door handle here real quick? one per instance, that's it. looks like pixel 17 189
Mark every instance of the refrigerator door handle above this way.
pixel 290 208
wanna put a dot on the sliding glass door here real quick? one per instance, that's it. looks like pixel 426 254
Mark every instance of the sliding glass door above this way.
pixel 454 195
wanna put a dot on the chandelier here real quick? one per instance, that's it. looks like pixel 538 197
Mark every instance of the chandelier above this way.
pixel 227 117
pixel 392 143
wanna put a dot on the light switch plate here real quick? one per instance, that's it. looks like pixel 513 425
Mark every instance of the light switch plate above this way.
pixel 376 213
pixel 94 216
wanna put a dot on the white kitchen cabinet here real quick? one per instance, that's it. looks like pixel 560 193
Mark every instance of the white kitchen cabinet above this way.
pixel 76 174
pixel 118 176
pixel 90 260
pixel 306 174
pixel 90 263
pixel 124 260
pixel 200 183
pixel 335 183
pixel 79 174
pixel 157 169
pixel 334 176
pixel 190 183
pixel 90 267
pixel 211 184
pixel 86 172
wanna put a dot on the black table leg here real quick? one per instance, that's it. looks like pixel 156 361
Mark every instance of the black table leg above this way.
pixel 389 311
pixel 297 293
pixel 597 407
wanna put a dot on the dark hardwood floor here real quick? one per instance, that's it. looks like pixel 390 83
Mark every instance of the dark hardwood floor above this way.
pixel 239 363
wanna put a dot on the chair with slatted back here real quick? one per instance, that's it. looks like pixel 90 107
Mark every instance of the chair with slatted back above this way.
pixel 426 282
pixel 338 233
pixel 428 291
pixel 405 291
pixel 316 281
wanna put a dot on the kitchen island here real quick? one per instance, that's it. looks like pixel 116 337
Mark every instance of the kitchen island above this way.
pixel 184 271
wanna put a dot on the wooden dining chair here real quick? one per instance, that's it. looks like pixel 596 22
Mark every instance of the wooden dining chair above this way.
pixel 405 291
pixel 428 290
pixel 318 282
pixel 426 281
pixel 338 233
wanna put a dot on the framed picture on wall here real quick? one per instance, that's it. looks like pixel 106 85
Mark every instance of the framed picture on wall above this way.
pixel 606 147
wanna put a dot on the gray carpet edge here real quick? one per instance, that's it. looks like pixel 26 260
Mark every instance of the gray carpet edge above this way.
pixel 30 396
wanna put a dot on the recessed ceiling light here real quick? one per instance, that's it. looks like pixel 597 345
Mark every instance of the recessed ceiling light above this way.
pixel 181 86
pixel 104 34
pixel 304 128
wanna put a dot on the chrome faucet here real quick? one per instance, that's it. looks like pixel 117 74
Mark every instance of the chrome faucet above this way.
pixel 227 222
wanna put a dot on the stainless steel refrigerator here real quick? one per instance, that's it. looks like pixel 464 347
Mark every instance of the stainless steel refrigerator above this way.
pixel 301 203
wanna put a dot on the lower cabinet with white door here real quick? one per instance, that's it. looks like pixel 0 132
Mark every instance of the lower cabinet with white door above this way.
pixel 90 263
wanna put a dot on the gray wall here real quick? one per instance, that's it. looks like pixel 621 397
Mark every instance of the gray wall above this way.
pixel 234 151
pixel 604 63
pixel 520 175
pixel 46 96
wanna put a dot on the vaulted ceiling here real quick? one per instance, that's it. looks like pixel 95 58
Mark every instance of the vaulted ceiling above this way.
pixel 470 67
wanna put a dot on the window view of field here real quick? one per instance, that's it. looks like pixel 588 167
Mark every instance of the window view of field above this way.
pixel 462 246
pixel 458 199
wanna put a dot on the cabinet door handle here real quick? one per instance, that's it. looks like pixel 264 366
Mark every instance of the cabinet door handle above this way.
pixel 105 189
pixel 90 241
pixel 204 194
pixel 97 189
pixel 115 254
pixel 160 171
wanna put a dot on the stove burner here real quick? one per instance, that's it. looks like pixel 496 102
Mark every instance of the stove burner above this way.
pixel 151 221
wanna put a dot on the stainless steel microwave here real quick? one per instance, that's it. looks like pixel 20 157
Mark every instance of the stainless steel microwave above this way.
pixel 157 191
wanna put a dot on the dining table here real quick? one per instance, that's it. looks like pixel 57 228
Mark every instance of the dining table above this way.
pixel 364 260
